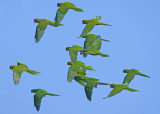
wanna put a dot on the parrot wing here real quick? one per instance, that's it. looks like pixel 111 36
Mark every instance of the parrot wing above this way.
pixel 17 71
pixel 128 78
pixel 88 90
pixel 72 72
pixel 40 31
pixel 61 13
pixel 115 91
pixel 73 55
pixel 37 100
pixel 90 25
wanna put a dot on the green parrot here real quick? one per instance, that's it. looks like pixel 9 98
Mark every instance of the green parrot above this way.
pixel 90 25
pixel 117 88
pixel 64 7
pixel 73 52
pixel 18 70
pixel 92 45
pixel 131 73
pixel 42 25
pixel 39 94
pixel 90 84
pixel 74 68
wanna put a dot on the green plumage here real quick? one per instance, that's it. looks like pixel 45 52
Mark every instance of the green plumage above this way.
pixel 90 25
pixel 92 45
pixel 19 69
pixel 131 73
pixel 39 94
pixel 43 23
pixel 64 7
pixel 73 52
pixel 75 68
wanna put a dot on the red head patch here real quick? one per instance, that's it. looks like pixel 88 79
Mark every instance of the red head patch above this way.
pixel 35 20
pixel 58 4
pixel 111 86
pixel 11 67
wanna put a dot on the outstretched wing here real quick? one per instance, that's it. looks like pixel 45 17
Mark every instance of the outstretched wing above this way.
pixel 37 100
pixel 88 90
pixel 72 71
pixel 115 91
pixel 88 28
pixel 40 31
pixel 73 55
pixel 17 71
pixel 128 78
pixel 61 13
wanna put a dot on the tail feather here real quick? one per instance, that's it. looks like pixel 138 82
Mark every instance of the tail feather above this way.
pixel 78 9
pixel 33 72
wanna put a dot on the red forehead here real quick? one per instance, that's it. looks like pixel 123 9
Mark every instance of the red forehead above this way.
pixel 57 4
pixel 35 20
pixel 11 67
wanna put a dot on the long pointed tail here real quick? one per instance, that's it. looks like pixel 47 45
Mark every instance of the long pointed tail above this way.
pixel 33 72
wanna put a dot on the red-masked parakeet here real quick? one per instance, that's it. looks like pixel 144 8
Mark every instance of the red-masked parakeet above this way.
pixel 90 25
pixel 18 70
pixel 73 52
pixel 131 73
pixel 74 68
pixel 64 7
pixel 39 94
pixel 42 25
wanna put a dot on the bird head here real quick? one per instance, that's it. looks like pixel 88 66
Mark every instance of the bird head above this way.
pixel 125 71
pixel 59 4
pixel 112 86
pixel 84 21
pixel 34 90
pixel 11 67
pixel 67 48
pixel 36 20
pixel 69 63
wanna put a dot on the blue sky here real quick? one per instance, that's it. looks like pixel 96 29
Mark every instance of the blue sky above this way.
pixel 134 43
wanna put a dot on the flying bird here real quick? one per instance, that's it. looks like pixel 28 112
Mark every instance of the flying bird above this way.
pixel 73 52
pixel 117 88
pixel 92 45
pixel 39 94
pixel 42 25
pixel 19 69
pixel 74 68
pixel 64 7
pixel 131 73
pixel 90 25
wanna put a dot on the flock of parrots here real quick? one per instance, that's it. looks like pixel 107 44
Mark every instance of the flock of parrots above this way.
pixel 77 69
